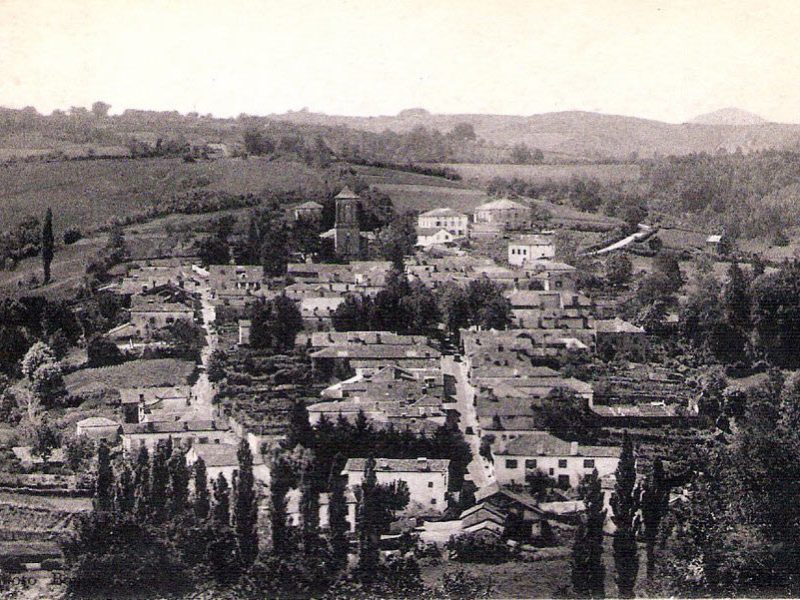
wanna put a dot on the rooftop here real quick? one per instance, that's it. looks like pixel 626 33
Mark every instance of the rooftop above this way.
pixel 616 325
pixel 172 427
pixel 442 212
pixel 533 239
pixel 347 194
pixel 220 455
pixel 399 465
pixel 503 204
pixel 544 444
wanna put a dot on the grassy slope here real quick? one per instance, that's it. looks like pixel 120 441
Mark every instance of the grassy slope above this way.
pixel 157 372
pixel 480 174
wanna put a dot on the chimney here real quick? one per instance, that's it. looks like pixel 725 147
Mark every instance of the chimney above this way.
pixel 186 425
pixel 422 463
pixel 573 448
pixel 540 448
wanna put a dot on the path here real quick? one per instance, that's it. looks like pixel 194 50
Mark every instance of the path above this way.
pixel 481 471
pixel 645 230
pixel 203 390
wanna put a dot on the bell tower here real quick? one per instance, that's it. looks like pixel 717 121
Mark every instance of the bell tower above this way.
pixel 347 237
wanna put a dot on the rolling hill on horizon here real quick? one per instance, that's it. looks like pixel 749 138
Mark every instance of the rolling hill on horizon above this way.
pixel 586 135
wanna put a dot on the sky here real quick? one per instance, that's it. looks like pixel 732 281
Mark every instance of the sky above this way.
pixel 666 60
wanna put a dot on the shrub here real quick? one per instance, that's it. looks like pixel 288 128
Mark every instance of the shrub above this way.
pixel 478 548
pixel 72 235
pixel 102 352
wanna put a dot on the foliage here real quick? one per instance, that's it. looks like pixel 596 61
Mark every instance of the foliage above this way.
pixel 39 354
pixel 46 438
pixel 618 269
pixel 48 383
pixel 275 323
pixel 588 570
pixel 102 352
pixel 245 506
pixel 624 505
pixel 655 504
pixel 478 547
pixel 488 307
pixel 47 244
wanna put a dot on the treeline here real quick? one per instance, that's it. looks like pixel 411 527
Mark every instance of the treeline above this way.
pixel 445 172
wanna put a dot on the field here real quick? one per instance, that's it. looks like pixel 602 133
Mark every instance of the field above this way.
pixel 409 197
pixel 86 194
pixel 157 372
pixel 480 174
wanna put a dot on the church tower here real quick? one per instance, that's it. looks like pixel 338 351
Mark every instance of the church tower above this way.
pixel 347 238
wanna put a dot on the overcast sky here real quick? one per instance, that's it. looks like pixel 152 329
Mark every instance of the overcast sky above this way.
pixel 666 60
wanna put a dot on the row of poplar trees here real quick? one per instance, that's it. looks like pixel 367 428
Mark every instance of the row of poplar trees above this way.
pixel 634 508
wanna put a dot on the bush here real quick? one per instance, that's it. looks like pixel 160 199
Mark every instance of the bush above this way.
pixel 478 548
pixel 102 352
pixel 72 235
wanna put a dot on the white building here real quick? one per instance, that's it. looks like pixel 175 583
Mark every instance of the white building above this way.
pixel 98 428
pixel 450 220
pixel 503 214
pixel 564 462
pixel 530 248
pixel 436 236
pixel 222 459
pixel 427 479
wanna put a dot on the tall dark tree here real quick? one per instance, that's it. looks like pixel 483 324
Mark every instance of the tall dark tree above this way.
pixel 104 484
pixel 47 244
pixel 221 511
pixel 368 523
pixel 179 477
pixel 300 432
pixel 141 484
pixel 337 513
pixel 736 298
pixel 201 501
pixel 124 491
pixel 624 505
pixel 588 570
pixel 309 508
pixel 245 506
pixel 655 503
pixel 281 477
pixel 275 324
pixel 159 484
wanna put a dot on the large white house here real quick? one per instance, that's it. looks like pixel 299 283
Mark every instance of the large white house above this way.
pixel 436 236
pixel 427 478
pixel 503 214
pixel 450 220
pixel 530 248
pixel 565 462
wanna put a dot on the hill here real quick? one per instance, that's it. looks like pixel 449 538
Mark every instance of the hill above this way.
pixel 580 135
pixel 728 116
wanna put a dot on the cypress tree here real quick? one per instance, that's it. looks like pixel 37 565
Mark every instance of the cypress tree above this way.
pixel 178 484
pixel 141 484
pixel 309 508
pixel 337 514
pixel 625 504
pixel 124 491
pixel 159 482
pixel 300 432
pixel 368 523
pixel 221 512
pixel 655 503
pixel 588 570
pixel 202 503
pixel 245 508
pixel 47 244
pixel 280 484
pixel 104 485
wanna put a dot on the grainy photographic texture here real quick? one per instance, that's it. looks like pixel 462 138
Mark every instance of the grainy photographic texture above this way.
pixel 399 299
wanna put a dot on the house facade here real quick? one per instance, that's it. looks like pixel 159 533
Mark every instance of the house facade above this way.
pixel 452 221
pixel 427 478
pixel 530 248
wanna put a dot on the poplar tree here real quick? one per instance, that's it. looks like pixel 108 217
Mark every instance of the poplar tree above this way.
pixel 47 244
pixel 280 484
pixel 104 484
pixel 368 523
pixel 202 502
pixel 141 484
pixel 222 550
pixel 178 484
pixel 221 512
pixel 655 504
pixel 588 570
pixel 309 508
pixel 245 508
pixel 159 482
pixel 625 504
pixel 124 491
pixel 337 514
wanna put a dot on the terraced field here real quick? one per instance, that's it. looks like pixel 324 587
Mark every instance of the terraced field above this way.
pixel 481 174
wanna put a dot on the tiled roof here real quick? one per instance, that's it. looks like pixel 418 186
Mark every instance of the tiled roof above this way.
pixel 347 194
pixel 616 325
pixel 382 351
pixel 429 231
pixel 544 444
pixel 532 240
pixel 442 212
pixel 310 205
pixel 221 455
pixel 399 465
pixel 503 204
pixel 172 427
pixel 97 422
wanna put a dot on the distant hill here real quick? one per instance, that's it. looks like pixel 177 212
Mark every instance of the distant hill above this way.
pixel 584 135
pixel 729 116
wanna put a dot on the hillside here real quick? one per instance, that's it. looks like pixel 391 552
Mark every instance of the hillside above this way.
pixel 728 116
pixel 580 135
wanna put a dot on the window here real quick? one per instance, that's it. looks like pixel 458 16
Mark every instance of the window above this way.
pixel 530 463
pixel 511 464
pixel 552 470
pixel 433 500
pixel 562 463
pixel 563 481
pixel 588 463
pixel 430 484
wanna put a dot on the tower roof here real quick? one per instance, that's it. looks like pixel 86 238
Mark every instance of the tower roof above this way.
pixel 346 193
